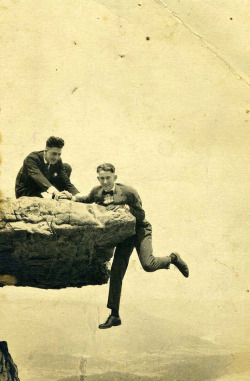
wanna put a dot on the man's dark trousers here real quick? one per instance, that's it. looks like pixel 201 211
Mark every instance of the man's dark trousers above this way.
pixel 142 241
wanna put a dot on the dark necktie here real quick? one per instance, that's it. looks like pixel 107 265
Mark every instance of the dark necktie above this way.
pixel 110 192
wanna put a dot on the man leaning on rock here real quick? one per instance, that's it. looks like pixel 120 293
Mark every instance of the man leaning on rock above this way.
pixel 113 195
pixel 43 173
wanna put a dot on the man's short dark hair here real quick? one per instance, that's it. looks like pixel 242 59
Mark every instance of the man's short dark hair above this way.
pixel 54 141
pixel 105 167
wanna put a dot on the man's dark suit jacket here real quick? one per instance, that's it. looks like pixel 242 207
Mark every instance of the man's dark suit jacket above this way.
pixel 123 194
pixel 34 177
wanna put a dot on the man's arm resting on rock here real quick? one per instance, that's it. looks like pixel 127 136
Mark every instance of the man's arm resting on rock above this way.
pixel 79 197
pixel 44 183
pixel 69 187
pixel 55 194
pixel 36 174
pixel 40 179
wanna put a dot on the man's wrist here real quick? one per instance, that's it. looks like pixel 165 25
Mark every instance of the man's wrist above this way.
pixel 77 197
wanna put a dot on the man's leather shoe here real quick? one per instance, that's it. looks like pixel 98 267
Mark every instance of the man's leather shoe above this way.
pixel 110 322
pixel 180 264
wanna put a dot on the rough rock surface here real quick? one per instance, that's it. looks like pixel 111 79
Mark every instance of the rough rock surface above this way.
pixel 8 369
pixel 50 244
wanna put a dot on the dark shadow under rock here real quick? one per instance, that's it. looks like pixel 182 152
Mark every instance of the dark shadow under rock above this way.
pixel 50 244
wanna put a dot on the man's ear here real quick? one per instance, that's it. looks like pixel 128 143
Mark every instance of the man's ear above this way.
pixel 115 177
pixel 98 178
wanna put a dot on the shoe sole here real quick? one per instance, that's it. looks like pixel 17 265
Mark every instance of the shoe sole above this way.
pixel 185 272
pixel 113 325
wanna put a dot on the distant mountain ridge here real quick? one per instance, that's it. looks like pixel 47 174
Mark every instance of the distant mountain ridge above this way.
pixel 201 368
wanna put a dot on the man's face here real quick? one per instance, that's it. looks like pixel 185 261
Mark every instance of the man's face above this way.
pixel 107 180
pixel 53 154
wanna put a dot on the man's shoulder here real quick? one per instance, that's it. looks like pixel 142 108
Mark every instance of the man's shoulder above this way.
pixel 126 188
pixel 96 189
pixel 35 155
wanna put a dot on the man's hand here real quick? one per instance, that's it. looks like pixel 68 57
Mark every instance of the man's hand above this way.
pixel 57 195
pixel 64 195
pixel 77 197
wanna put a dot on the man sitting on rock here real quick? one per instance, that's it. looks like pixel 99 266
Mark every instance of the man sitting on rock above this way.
pixel 114 195
pixel 44 174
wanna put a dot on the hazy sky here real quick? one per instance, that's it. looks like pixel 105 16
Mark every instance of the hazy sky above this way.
pixel 172 114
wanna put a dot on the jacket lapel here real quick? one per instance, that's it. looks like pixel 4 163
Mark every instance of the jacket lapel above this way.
pixel 118 196
pixel 44 167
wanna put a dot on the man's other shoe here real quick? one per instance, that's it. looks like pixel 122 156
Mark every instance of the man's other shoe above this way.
pixel 112 321
pixel 180 264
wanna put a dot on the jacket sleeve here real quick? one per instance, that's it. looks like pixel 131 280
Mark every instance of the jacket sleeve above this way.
pixel 136 207
pixel 68 185
pixel 89 199
pixel 33 170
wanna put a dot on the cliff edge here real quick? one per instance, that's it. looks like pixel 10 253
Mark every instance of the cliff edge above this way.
pixel 50 244
pixel 8 369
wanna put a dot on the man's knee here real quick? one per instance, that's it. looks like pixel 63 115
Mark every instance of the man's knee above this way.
pixel 68 169
pixel 148 267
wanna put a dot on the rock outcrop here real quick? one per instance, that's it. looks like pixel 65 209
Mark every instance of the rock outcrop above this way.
pixel 8 369
pixel 50 244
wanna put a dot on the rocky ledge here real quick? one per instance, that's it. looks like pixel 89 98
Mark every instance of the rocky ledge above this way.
pixel 50 244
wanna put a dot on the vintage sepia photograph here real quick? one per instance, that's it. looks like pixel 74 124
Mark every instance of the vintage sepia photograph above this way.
pixel 124 205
